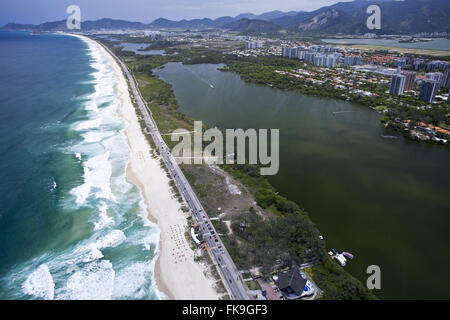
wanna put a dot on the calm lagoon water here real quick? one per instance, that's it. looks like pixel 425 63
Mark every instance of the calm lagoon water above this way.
pixel 127 46
pixel 387 201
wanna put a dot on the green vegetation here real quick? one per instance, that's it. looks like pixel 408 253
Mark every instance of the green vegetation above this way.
pixel 337 284
pixel 161 44
pixel 287 239
pixel 253 285
pixel 380 108
pixel 197 55
pixel 220 227
pixel 261 70
pixel 281 236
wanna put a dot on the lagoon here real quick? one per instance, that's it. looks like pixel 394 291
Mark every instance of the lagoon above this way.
pixel 136 48
pixel 384 200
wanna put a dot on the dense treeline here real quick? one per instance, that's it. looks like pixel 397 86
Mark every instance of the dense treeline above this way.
pixel 338 284
pixel 286 238
pixel 261 70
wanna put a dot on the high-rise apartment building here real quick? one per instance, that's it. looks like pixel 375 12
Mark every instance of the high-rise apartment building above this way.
pixel 428 90
pixel 397 84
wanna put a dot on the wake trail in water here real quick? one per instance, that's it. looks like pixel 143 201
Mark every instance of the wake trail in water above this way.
pixel 210 84
pixel 344 111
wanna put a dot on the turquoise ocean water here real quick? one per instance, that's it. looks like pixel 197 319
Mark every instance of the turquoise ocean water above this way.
pixel 71 225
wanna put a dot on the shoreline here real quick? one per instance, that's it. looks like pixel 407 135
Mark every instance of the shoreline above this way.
pixel 174 257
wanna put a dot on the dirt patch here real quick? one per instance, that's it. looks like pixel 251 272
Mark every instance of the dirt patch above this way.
pixel 220 194
pixel 228 224
pixel 142 83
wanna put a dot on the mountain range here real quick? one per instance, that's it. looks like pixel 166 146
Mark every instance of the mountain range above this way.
pixel 398 17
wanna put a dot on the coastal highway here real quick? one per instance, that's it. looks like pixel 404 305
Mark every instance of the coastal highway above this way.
pixel 228 271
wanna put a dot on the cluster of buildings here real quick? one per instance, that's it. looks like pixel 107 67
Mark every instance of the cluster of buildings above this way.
pixel 418 64
pixel 431 34
pixel 380 59
pixel 403 81
pixel 351 60
pixel 155 35
pixel 425 131
pixel 321 56
pixel 252 45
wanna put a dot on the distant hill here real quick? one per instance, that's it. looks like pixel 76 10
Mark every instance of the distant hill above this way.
pixel 271 15
pixel 222 22
pixel 275 14
pixel 18 26
pixel 112 24
pixel 85 25
pixel 408 16
pixel 163 23
pixel 253 26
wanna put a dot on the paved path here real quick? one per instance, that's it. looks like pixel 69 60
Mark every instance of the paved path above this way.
pixel 218 252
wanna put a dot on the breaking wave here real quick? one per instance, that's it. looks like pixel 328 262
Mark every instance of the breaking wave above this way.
pixel 113 252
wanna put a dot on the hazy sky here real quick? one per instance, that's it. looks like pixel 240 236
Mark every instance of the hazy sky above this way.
pixel 38 11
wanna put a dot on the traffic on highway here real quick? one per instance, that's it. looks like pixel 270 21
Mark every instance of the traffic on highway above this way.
pixel 228 271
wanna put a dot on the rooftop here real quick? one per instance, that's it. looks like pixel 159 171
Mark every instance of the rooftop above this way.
pixel 292 280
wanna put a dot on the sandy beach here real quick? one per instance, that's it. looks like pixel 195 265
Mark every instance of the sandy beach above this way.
pixel 176 273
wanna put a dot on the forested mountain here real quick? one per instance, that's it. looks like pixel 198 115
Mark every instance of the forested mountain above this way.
pixel 409 16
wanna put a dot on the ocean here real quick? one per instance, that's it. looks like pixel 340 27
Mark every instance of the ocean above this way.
pixel 71 225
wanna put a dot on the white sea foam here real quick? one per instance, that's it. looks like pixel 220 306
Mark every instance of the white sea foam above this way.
pixel 91 105
pixel 40 283
pixel 93 282
pixel 110 199
pixel 97 175
pixel 112 239
pixel 52 184
pixel 104 219
pixel 96 136
pixel 150 239
pixel 88 124
pixel 82 192
pixel 87 253
pixel 133 281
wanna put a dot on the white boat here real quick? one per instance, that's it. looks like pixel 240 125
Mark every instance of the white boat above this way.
pixel 341 259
